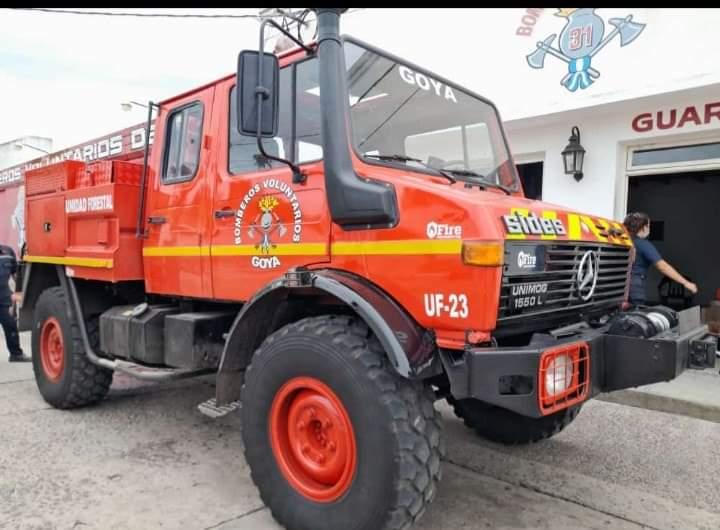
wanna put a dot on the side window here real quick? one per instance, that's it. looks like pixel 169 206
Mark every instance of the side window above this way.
pixel 307 101
pixel 243 155
pixel 182 146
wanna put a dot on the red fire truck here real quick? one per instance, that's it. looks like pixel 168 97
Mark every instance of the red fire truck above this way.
pixel 341 236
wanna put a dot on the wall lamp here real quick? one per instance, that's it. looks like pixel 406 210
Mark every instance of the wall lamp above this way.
pixel 574 155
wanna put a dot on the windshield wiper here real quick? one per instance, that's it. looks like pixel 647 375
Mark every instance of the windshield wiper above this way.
pixel 485 180
pixel 403 158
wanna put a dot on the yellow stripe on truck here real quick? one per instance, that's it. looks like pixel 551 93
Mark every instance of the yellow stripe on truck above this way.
pixel 176 251
pixel 574 230
pixel 549 214
pixel 344 248
pixel 281 249
pixel 97 263
pixel 397 248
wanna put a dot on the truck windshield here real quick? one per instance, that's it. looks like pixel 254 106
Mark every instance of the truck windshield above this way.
pixel 399 112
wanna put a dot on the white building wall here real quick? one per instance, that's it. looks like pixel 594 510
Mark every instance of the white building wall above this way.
pixel 606 133
pixel 485 50
pixel 11 155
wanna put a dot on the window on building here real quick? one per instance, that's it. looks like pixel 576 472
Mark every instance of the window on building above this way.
pixel 182 152
pixel 244 155
pixel 673 155
pixel 531 176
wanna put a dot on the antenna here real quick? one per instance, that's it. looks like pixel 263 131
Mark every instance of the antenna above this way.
pixel 301 23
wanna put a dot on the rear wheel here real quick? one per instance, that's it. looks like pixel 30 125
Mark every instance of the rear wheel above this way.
pixel 508 427
pixel 333 436
pixel 64 375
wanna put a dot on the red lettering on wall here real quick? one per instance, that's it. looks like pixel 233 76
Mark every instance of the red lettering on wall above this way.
pixel 529 20
pixel 712 110
pixel 667 119
pixel 669 124
pixel 690 114
pixel 642 122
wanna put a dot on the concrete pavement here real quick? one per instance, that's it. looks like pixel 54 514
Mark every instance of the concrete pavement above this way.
pixel 145 458
pixel 694 393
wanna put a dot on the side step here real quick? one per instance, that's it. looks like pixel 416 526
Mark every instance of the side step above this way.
pixel 147 373
pixel 212 410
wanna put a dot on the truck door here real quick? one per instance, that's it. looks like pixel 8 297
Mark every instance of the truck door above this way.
pixel 263 223
pixel 176 252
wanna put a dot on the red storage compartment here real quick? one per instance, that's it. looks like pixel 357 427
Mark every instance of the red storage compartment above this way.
pixel 56 177
pixel 83 216
pixel 45 226
pixel 110 171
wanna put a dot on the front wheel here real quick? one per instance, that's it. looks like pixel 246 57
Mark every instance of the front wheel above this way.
pixel 333 436
pixel 508 427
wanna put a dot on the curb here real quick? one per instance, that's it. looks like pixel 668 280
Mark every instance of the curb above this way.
pixel 646 400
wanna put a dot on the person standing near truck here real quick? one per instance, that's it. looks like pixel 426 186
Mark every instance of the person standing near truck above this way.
pixel 17 219
pixel 8 269
pixel 646 255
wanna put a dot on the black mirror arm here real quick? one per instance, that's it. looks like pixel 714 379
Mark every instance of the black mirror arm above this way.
pixel 263 93
pixel 298 176
pixel 284 32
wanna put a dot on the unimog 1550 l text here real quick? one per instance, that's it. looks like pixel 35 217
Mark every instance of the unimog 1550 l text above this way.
pixel 342 237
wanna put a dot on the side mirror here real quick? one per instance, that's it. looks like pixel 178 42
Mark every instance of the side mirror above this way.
pixel 257 76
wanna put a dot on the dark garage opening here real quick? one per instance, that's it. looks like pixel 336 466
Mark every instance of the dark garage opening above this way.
pixel 683 208
pixel 531 176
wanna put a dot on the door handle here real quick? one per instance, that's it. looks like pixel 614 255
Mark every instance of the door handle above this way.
pixel 226 212
pixel 156 220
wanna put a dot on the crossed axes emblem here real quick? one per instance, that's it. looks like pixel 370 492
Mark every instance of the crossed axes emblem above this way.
pixel 580 73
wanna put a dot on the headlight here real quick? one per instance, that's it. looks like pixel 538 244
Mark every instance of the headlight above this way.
pixel 559 375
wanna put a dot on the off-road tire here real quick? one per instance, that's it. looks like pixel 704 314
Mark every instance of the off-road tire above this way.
pixel 80 383
pixel 398 432
pixel 508 427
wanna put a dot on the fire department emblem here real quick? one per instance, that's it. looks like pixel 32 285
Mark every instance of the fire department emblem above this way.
pixel 580 40
pixel 268 217
pixel 266 223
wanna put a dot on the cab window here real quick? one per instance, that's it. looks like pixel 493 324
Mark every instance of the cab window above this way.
pixel 182 145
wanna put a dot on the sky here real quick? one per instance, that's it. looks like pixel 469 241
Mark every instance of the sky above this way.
pixel 64 76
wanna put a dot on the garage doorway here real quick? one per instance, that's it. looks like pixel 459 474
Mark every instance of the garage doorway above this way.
pixel 680 191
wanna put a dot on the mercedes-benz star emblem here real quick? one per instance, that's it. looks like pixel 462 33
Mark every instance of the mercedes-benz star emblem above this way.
pixel 587 275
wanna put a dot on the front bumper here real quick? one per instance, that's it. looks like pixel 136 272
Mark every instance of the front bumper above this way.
pixel 508 377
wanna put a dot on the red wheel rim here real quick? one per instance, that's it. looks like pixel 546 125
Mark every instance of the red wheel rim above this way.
pixel 312 439
pixel 52 351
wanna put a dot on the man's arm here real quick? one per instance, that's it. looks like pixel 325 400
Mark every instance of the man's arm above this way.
pixel 8 252
pixel 13 263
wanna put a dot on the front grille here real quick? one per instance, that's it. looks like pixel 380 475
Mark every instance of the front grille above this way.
pixel 560 272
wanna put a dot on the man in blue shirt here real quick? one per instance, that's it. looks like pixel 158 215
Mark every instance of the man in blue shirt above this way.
pixel 8 268
pixel 646 255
